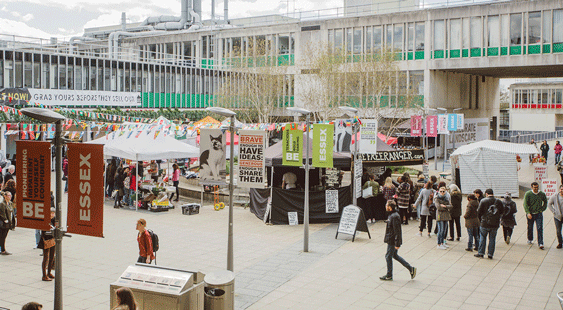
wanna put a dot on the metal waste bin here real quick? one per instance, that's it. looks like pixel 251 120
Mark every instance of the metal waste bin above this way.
pixel 219 290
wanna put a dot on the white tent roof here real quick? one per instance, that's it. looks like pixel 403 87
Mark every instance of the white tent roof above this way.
pixel 497 146
pixel 161 120
pixel 146 147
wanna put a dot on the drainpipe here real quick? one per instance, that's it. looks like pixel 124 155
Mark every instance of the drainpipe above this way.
pixel 123 22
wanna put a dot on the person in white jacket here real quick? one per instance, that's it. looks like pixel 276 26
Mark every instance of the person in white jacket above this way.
pixel 555 204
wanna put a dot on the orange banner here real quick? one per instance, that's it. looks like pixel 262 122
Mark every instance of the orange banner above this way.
pixel 86 189
pixel 33 189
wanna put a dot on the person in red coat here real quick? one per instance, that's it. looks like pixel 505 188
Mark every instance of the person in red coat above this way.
pixel 146 253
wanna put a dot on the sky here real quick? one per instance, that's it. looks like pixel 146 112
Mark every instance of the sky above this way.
pixel 67 18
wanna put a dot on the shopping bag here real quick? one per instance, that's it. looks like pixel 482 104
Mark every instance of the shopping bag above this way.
pixel 367 192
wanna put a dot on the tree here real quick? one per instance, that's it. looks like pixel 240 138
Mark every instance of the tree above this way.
pixel 255 84
pixel 371 82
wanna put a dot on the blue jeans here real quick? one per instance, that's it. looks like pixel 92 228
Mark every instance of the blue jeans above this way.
pixel 538 219
pixel 441 231
pixel 557 158
pixel 558 227
pixel 37 237
pixel 392 253
pixel 127 193
pixel 492 232
pixel 473 237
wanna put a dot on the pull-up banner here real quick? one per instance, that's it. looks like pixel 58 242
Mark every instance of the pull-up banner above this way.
pixel 323 138
pixel 251 168
pixel 292 148
pixel 33 189
pixel 86 189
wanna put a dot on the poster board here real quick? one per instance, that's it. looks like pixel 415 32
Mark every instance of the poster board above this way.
pixel 352 220
pixel 549 187
pixel 540 172
pixel 292 218
pixel 212 158
pixel 251 165
pixel 331 198
pixel 368 136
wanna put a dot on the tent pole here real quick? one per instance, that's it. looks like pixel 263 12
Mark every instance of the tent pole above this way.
pixel 271 193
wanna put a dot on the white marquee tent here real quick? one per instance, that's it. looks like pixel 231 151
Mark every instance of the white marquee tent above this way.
pixel 489 164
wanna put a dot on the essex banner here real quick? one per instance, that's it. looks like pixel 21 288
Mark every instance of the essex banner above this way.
pixel 322 145
pixel 85 189
pixel 33 190
pixel 292 147
pixel 432 126
pixel 251 168
pixel 416 126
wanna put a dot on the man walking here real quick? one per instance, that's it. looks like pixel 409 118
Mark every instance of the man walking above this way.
pixel 555 204
pixel 490 212
pixel 535 202
pixel 394 239
pixel 146 253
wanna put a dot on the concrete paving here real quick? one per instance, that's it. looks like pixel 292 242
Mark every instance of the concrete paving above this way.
pixel 273 272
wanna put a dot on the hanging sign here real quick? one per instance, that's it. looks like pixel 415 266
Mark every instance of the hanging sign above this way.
pixel 368 136
pixel 452 122
pixel 432 126
pixel 331 199
pixel 460 121
pixel 549 187
pixel 212 158
pixel 443 124
pixel 292 148
pixel 358 169
pixel 416 126
pixel 86 189
pixel 251 168
pixel 33 190
pixel 342 136
pixel 323 138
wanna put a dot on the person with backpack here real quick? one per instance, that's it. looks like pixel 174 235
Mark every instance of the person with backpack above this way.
pixel 508 221
pixel 418 186
pixel 490 212
pixel 144 239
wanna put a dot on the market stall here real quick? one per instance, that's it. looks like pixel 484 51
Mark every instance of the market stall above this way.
pixel 489 164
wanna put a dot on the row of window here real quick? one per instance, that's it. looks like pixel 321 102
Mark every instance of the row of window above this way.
pixel 537 98
pixel 75 73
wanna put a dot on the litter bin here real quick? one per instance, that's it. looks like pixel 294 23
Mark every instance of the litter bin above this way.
pixel 219 290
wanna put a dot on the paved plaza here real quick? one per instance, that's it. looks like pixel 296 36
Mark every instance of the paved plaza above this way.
pixel 272 272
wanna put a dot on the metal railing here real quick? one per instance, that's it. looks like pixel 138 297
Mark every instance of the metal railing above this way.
pixel 538 137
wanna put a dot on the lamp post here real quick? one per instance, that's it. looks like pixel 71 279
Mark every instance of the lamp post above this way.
pixel 231 114
pixel 307 113
pixel 446 139
pixel 49 116
pixel 354 111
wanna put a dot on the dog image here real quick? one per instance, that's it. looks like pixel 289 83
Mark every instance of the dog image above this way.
pixel 212 161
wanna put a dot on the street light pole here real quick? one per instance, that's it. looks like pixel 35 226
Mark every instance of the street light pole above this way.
pixel 48 116
pixel 231 114
pixel 307 113
pixel 353 111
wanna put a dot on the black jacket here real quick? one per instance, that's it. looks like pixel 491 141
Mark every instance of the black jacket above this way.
pixel 490 212
pixel 393 234
pixel 509 211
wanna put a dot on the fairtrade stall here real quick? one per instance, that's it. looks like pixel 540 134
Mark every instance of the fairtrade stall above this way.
pixel 274 203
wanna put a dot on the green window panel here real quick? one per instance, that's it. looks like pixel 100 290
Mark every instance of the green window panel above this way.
pixel 504 51
pixel 558 48
pixel 145 100
pixel 546 48
pixel 492 51
pixel 534 49
pixel 398 56
pixel 151 100
pixel 418 100
pixel 455 53
pixel 357 58
pixel 409 56
pixel 384 101
pixel 465 53
pixel 283 60
pixel 167 100
pixel 475 52
pixel 516 50
pixel 419 55
pixel 292 59
pixel 438 54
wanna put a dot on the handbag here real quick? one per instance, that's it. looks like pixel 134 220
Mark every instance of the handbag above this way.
pixel 367 192
pixel 49 243
pixel 65 178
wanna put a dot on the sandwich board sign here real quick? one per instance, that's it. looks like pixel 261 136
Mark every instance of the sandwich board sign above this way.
pixel 352 220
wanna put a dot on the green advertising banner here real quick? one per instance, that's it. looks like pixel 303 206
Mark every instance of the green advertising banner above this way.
pixel 292 148
pixel 323 139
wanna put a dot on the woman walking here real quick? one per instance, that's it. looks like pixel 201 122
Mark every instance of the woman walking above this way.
pixel 544 150
pixel 472 223
pixel 456 198
pixel 422 203
pixel 118 185
pixel 478 194
pixel 557 149
pixel 369 203
pixel 403 198
pixel 6 218
pixel 443 206
pixel 175 181
pixel 508 221
pixel 47 243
